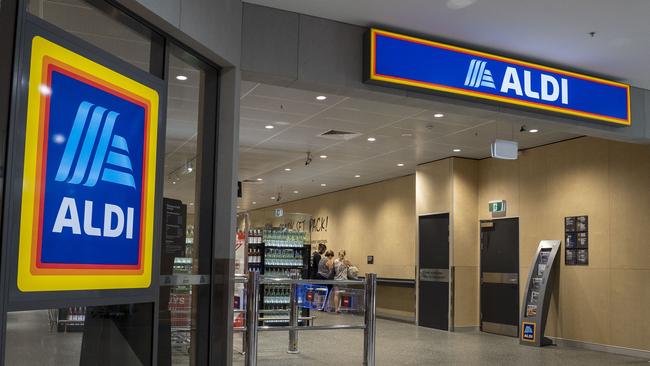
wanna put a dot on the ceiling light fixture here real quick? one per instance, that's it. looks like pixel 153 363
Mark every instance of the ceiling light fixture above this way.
pixel 45 90
pixel 456 150
pixel 357 176
pixel 438 115
pixel 259 179
pixel 323 185
pixel 269 127
pixel 181 77
pixel 254 202
pixel 323 156
pixel 400 164
pixel 296 192
pixel 321 97
pixel 273 197
pixel 372 139
pixel 287 169
pixel 534 130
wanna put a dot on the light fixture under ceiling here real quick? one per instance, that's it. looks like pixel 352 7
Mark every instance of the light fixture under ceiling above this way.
pixel 400 164
pixel 296 192
pixel 321 97
pixel 534 130
pixel 287 169
pixel 269 127
pixel 372 139
pixel 181 77
pixel 323 185
pixel 357 176
pixel 438 115
pixel 259 179
pixel 273 197
pixel 323 156
pixel 456 150
pixel 254 202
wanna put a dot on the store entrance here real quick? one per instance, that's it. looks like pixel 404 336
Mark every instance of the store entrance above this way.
pixel 433 295
pixel 500 276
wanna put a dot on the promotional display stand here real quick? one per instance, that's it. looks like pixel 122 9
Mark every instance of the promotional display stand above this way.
pixel 538 294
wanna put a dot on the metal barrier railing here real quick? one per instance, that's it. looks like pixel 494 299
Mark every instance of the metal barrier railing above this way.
pixel 252 328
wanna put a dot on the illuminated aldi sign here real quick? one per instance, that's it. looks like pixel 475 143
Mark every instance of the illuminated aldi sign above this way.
pixel 88 186
pixel 402 60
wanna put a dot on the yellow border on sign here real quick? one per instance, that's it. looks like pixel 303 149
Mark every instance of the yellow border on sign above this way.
pixel 71 280
pixel 395 80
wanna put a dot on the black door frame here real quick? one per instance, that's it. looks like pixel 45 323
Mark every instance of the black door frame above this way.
pixel 480 265
pixel 219 320
pixel 450 296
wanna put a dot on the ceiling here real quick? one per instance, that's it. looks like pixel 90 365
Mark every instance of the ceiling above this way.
pixel 407 133
pixel 551 31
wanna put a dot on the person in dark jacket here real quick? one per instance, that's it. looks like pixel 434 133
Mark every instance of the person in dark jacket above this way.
pixel 315 260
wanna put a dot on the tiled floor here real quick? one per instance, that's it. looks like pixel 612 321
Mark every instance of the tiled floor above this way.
pixel 30 343
pixel 405 344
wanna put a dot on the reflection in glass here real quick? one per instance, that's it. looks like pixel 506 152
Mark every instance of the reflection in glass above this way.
pixel 110 335
pixel 94 26
pixel 183 300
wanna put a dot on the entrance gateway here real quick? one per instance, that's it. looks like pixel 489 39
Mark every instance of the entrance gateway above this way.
pixel 407 62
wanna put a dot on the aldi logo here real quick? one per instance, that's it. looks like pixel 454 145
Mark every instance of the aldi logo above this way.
pixel 89 179
pixel 528 332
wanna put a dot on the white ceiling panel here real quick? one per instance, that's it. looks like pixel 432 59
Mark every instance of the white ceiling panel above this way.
pixel 406 133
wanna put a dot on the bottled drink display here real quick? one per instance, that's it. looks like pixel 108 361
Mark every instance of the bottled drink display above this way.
pixel 277 253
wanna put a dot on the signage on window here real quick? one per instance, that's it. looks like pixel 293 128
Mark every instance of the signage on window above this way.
pixel 87 206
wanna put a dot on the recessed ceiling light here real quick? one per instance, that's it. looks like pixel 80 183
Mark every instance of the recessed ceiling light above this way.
pixel 181 77
pixel 321 97
pixel 400 164
pixel 238 207
pixel 269 127
pixel 174 182
pixel 259 179
pixel 323 156
pixel 438 115
pixel 534 130
pixel 273 197
pixel 254 202
pixel 191 203
pixel 189 169
pixel 287 169
pixel 456 150
pixel 45 90
pixel 296 192
pixel 357 176
pixel 372 139
pixel 58 138
pixel 323 185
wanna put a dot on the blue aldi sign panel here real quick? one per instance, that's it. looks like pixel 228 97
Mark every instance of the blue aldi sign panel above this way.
pixel 402 60
pixel 528 332
pixel 89 179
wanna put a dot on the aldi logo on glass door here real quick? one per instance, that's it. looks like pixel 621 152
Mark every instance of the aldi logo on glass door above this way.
pixel 90 160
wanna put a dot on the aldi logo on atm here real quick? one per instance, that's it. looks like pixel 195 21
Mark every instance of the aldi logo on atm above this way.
pixel 528 332
pixel 88 186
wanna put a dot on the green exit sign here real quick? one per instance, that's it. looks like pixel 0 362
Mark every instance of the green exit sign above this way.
pixel 497 207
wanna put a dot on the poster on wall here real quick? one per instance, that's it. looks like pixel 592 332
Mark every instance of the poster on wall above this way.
pixel 576 230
